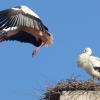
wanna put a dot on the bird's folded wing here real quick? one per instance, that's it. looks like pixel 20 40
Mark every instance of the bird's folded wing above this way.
pixel 96 58
pixel 97 69
pixel 95 61
pixel 12 18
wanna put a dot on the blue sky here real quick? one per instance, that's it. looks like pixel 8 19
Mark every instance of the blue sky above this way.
pixel 75 24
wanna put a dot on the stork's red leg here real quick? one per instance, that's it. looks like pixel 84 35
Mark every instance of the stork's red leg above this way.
pixel 35 52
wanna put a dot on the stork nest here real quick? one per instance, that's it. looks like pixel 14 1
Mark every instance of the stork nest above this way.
pixel 54 92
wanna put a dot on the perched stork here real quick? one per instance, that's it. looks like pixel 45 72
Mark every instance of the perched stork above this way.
pixel 90 63
pixel 22 24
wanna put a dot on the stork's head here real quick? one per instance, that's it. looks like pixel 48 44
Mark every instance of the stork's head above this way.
pixel 88 51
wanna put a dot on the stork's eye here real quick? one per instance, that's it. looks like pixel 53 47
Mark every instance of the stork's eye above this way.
pixel 85 51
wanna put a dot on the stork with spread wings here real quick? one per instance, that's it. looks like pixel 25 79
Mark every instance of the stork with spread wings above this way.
pixel 22 24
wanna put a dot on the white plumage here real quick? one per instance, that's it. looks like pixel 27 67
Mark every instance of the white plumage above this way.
pixel 26 10
pixel 91 64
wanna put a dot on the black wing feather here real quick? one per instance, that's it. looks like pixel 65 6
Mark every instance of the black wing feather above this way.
pixel 26 38
pixel 97 68
pixel 12 18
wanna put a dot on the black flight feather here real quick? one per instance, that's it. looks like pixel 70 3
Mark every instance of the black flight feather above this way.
pixel 26 38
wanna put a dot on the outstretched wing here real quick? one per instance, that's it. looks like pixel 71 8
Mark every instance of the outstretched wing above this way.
pixel 20 16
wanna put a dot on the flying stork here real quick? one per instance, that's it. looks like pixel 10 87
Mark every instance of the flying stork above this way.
pixel 22 24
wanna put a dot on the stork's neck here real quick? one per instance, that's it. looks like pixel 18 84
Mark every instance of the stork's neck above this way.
pixel 88 53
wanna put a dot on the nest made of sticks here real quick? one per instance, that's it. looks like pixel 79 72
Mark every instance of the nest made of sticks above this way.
pixel 54 92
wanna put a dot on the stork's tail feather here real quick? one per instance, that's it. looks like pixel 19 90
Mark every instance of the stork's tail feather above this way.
pixel 49 39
